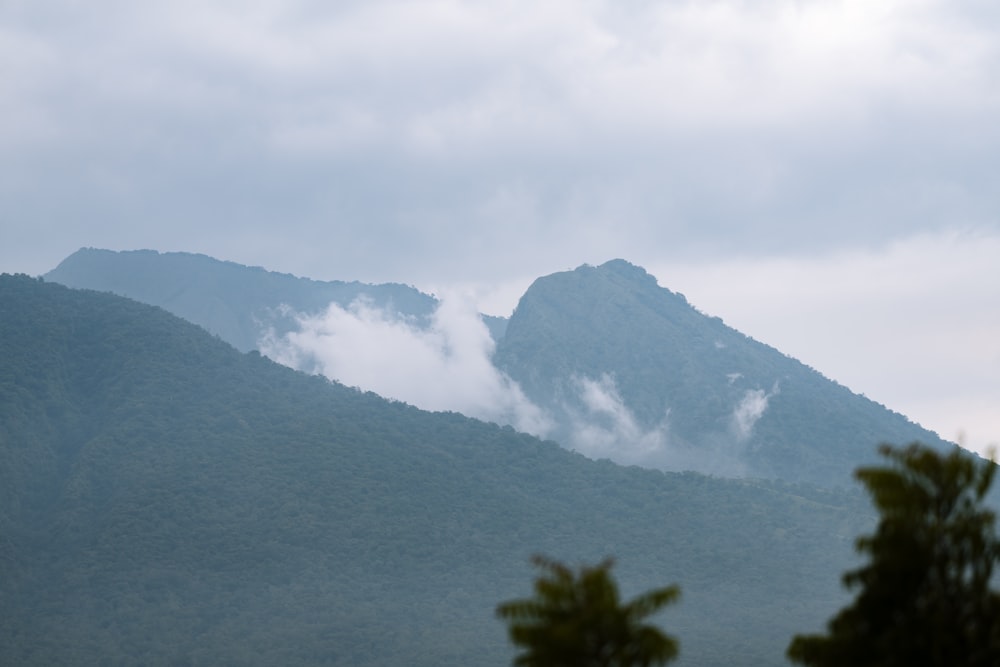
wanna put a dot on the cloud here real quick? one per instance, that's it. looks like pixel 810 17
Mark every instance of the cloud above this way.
pixel 749 410
pixel 597 422
pixel 606 427
pixel 443 367
pixel 520 135
pixel 447 366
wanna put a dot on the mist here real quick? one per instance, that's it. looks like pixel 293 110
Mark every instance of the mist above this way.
pixel 446 364
pixel 604 427
pixel 749 411
pixel 595 420
pixel 443 366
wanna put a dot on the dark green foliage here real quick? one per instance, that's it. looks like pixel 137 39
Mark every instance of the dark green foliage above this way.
pixel 924 597
pixel 167 500
pixel 686 372
pixel 576 619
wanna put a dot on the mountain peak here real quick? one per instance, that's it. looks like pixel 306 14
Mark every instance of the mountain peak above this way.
pixel 621 268
pixel 631 371
pixel 625 268
pixel 616 282
pixel 639 277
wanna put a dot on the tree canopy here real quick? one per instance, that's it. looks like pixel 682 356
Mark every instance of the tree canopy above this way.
pixel 924 597
pixel 576 620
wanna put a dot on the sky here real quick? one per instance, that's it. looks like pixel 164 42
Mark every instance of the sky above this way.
pixel 822 174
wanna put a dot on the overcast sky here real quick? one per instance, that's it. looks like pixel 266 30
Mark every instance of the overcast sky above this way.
pixel 824 175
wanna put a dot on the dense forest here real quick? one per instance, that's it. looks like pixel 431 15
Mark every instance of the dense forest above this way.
pixel 169 500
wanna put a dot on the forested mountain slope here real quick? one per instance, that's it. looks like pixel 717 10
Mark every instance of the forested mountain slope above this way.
pixel 631 371
pixel 165 499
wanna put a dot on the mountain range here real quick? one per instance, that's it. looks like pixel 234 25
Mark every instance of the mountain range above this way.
pixel 170 500
pixel 601 359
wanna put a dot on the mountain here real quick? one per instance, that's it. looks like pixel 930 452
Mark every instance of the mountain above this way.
pixel 168 500
pixel 616 366
pixel 240 304
pixel 631 371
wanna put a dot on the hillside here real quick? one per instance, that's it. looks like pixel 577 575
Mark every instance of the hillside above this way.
pixel 631 371
pixel 169 500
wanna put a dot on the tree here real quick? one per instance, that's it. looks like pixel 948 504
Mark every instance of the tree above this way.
pixel 575 619
pixel 924 596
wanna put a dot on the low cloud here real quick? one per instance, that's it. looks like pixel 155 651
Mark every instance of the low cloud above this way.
pixel 606 428
pixel 749 411
pixel 599 424
pixel 444 366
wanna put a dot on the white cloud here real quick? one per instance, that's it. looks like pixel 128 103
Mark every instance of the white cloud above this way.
pixel 599 424
pixel 491 298
pixel 749 410
pixel 608 429
pixel 444 367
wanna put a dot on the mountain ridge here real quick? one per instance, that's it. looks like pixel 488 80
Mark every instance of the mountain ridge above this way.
pixel 236 302
pixel 610 363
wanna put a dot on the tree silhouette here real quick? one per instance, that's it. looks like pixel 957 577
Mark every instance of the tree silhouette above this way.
pixel 924 598
pixel 575 619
